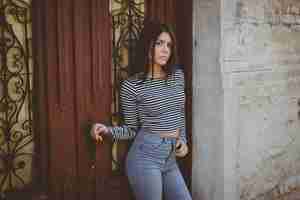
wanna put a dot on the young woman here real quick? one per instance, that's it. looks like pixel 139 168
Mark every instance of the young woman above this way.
pixel 152 103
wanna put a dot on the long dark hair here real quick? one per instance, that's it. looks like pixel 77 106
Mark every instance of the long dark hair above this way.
pixel 145 45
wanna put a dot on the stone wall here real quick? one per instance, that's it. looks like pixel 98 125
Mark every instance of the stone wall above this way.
pixel 260 61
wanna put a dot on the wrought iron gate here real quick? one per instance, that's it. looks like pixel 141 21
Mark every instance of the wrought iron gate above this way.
pixel 16 135
pixel 127 22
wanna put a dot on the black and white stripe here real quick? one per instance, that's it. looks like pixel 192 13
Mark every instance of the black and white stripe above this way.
pixel 154 104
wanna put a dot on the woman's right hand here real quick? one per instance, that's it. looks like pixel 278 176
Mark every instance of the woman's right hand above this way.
pixel 97 131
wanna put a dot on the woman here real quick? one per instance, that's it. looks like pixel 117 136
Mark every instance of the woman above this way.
pixel 152 103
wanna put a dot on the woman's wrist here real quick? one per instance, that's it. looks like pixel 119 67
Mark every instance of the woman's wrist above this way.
pixel 183 140
pixel 109 131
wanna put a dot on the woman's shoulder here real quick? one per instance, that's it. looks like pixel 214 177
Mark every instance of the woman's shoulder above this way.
pixel 132 80
pixel 135 78
pixel 179 71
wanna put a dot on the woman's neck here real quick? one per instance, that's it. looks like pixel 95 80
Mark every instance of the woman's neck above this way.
pixel 156 72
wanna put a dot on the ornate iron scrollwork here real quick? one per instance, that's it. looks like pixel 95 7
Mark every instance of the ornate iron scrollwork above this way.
pixel 16 134
pixel 127 22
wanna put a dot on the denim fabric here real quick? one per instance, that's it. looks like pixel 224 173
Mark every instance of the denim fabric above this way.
pixel 152 169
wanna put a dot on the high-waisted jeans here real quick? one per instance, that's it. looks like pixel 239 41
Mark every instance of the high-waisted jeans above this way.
pixel 152 169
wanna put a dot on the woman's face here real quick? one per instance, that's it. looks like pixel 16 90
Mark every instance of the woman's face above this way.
pixel 162 49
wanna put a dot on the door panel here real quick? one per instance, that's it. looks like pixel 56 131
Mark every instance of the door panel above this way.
pixel 59 87
pixel 74 68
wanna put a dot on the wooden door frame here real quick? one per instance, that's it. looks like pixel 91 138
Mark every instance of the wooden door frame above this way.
pixel 41 163
pixel 184 31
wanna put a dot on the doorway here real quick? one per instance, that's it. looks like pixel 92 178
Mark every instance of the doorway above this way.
pixel 73 53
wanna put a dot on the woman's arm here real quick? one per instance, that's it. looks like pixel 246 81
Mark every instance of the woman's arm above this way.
pixel 130 113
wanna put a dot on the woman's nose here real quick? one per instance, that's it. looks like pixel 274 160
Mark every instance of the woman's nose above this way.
pixel 165 48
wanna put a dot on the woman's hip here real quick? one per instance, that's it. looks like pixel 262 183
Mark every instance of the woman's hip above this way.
pixel 150 147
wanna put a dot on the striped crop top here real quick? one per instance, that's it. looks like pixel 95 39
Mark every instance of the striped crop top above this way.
pixel 155 104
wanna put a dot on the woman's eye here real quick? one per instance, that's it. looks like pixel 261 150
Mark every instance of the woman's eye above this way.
pixel 161 43
pixel 158 43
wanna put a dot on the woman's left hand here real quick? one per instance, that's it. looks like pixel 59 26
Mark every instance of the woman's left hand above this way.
pixel 181 148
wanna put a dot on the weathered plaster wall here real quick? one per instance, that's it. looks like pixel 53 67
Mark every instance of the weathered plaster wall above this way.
pixel 260 62
pixel 207 179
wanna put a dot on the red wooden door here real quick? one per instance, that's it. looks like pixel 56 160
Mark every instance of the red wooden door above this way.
pixel 72 50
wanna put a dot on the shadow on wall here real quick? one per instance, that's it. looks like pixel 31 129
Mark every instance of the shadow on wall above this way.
pixel 287 190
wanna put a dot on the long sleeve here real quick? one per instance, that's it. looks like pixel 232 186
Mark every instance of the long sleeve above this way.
pixel 182 129
pixel 129 110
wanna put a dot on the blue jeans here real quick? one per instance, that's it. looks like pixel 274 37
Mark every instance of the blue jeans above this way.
pixel 152 169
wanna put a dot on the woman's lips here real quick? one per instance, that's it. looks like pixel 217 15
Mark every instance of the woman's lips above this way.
pixel 164 57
